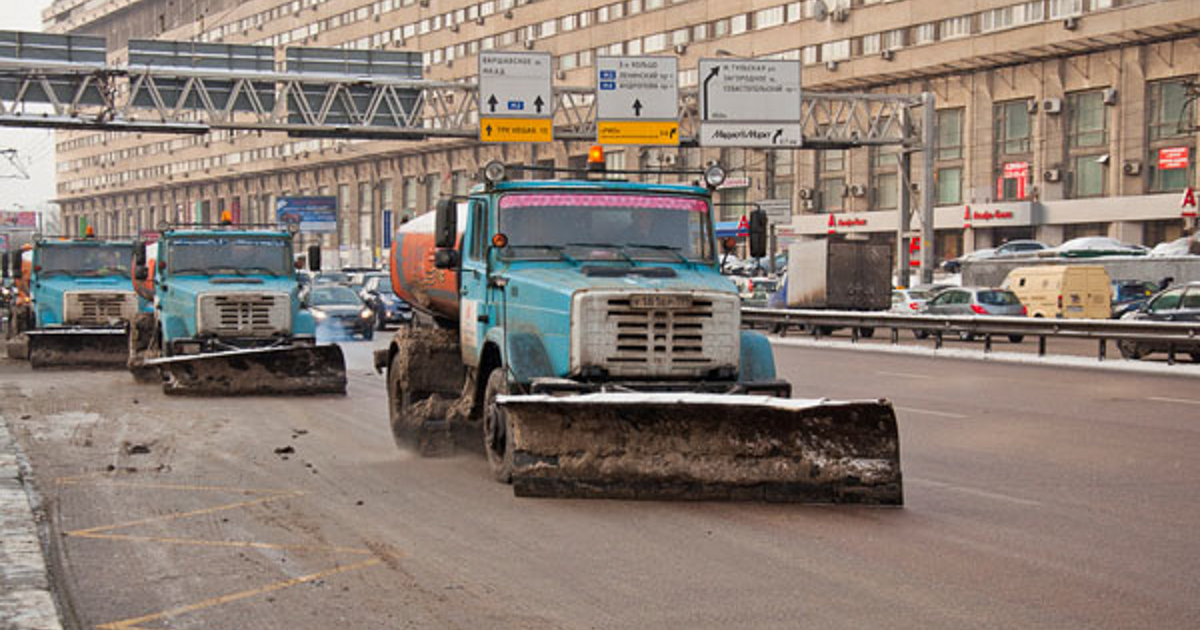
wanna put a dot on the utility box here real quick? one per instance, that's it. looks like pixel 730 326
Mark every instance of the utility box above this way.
pixel 839 275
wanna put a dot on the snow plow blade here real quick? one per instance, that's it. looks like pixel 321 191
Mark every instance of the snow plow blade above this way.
pixel 298 370
pixel 78 347
pixel 704 447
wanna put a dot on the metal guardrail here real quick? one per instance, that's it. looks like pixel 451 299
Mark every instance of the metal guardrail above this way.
pixel 821 323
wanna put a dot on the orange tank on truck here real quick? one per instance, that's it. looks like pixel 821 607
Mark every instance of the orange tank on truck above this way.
pixel 415 278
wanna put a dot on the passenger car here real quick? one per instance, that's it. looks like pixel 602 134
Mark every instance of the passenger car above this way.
pixel 389 309
pixel 339 309
pixel 1021 247
pixel 975 301
pixel 1177 304
pixel 909 301
pixel 954 265
pixel 1130 295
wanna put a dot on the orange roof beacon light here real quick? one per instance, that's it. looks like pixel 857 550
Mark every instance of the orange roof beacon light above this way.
pixel 595 162
pixel 226 217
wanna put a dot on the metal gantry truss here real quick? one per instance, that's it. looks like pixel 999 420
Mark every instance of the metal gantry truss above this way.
pixel 65 95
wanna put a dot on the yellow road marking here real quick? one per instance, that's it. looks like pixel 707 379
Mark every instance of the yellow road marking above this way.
pixel 68 481
pixel 246 544
pixel 174 516
pixel 133 624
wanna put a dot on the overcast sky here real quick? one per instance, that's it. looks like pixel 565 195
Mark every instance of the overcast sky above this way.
pixel 35 149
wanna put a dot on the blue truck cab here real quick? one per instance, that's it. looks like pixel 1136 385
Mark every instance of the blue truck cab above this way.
pixel 226 289
pixel 585 284
pixel 81 282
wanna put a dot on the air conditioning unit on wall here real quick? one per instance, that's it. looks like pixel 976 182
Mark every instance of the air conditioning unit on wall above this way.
pixel 807 194
pixel 1132 167
pixel 1052 105
pixel 1052 175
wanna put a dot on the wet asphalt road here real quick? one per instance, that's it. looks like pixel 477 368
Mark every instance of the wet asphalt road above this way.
pixel 1036 497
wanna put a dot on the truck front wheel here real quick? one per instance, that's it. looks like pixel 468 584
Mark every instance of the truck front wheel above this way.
pixel 496 430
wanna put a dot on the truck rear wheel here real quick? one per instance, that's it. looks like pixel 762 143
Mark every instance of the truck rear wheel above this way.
pixel 496 430
pixel 397 401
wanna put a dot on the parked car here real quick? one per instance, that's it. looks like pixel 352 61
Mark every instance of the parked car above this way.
pixel 1021 247
pixel 954 265
pixel 1176 304
pixel 389 309
pixel 1095 246
pixel 909 301
pixel 1130 295
pixel 975 301
pixel 331 277
pixel 338 309
pixel 1182 246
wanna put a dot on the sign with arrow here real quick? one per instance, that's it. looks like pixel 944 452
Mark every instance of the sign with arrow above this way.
pixel 637 100
pixel 750 103
pixel 515 97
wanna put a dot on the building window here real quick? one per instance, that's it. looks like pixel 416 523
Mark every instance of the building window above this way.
pixel 1171 160
pixel 885 169
pixel 949 186
pixel 886 191
pixel 433 191
pixel 1065 8
pixel 783 171
pixel 1087 138
pixel 1012 150
pixel 831 194
pixel 950 136
pixel 343 194
pixel 365 223
pixel 1088 122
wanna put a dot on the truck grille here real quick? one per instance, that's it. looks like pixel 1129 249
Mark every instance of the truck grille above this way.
pixel 244 314
pixel 657 335
pixel 98 308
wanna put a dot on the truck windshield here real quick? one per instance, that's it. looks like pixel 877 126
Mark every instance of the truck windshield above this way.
pixel 77 259
pixel 606 226
pixel 230 255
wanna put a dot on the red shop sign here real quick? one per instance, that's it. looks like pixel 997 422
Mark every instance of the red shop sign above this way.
pixel 1016 170
pixel 1172 158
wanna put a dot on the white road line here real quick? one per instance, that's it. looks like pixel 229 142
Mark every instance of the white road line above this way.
pixel 1182 401
pixel 929 412
pixel 904 375
pixel 971 491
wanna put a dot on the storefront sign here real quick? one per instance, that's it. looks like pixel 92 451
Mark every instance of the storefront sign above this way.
pixel 1188 203
pixel 734 182
pixel 18 219
pixel 1016 170
pixel 1172 158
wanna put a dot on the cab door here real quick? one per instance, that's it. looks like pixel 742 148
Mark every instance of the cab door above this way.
pixel 475 314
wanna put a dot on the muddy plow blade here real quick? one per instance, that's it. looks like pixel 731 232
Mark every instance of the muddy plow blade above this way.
pixel 103 347
pixel 704 447
pixel 292 370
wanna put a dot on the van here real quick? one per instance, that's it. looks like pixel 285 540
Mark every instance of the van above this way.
pixel 1063 291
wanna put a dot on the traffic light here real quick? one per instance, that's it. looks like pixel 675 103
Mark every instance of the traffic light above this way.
pixel 758 233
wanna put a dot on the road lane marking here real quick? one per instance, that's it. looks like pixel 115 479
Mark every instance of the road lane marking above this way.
pixel 102 533
pixel 178 515
pixel 930 412
pixel 1182 401
pixel 986 494
pixel 134 623
pixel 904 375
pixel 241 544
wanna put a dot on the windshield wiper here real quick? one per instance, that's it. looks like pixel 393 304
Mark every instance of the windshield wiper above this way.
pixel 662 248
pixel 557 249
pixel 620 249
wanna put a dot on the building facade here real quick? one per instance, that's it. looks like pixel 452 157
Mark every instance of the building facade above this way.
pixel 1055 118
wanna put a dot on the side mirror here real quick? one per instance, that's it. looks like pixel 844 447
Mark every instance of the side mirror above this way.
pixel 139 254
pixel 445 232
pixel 758 233
pixel 140 273
pixel 446 259
pixel 314 258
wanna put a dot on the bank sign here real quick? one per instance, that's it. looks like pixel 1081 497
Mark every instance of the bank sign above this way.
pixel 313 214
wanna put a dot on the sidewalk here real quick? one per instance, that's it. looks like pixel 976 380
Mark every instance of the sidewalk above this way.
pixel 25 599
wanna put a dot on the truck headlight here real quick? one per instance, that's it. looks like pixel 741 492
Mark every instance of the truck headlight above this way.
pixel 366 313
pixel 319 315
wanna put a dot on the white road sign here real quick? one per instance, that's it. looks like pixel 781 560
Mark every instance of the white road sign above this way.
pixel 749 90
pixel 770 135
pixel 637 88
pixel 515 85
pixel 778 210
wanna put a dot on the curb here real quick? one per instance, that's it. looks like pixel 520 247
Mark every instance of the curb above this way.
pixel 1085 363
pixel 26 602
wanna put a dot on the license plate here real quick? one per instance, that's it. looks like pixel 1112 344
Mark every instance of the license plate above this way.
pixel 657 300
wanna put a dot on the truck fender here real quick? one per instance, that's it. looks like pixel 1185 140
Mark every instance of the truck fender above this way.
pixel 758 358
pixel 524 353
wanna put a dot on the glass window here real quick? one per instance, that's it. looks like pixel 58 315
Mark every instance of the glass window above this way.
pixel 1013 127
pixel 1088 119
pixel 886 191
pixel 1167 301
pixel 949 186
pixel 1172 115
pixel 950 136
pixel 831 193
pixel 1089 176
